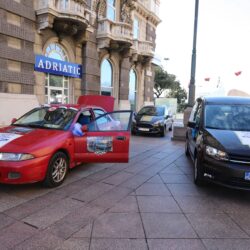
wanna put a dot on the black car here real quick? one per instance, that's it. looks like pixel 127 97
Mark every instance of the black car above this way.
pixel 218 141
pixel 152 120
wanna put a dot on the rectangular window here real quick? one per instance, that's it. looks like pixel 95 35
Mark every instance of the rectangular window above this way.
pixel 13 19
pixel 106 91
pixel 111 10
pixel 136 28
pixel 14 42
pixel 14 66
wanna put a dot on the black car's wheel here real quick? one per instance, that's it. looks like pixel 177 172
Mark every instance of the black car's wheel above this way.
pixel 163 132
pixel 187 153
pixel 57 170
pixel 198 172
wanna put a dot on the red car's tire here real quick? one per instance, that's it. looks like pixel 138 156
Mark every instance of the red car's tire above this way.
pixel 57 170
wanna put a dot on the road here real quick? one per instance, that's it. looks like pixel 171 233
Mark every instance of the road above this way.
pixel 148 203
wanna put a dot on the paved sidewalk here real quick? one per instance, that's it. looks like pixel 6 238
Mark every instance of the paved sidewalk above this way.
pixel 149 203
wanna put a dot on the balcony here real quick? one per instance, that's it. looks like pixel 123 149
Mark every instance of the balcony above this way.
pixel 67 17
pixel 116 35
pixel 143 49
pixel 151 5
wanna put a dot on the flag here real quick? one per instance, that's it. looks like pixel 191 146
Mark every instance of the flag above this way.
pixel 237 73
pixel 207 79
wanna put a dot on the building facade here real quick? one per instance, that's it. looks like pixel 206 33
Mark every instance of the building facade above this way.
pixel 57 50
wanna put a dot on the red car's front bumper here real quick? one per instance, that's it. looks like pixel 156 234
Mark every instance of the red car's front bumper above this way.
pixel 19 172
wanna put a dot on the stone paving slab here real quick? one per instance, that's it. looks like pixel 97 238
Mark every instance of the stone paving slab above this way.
pixel 167 225
pixel 118 225
pixel 158 204
pixel 215 226
pixel 52 214
pixel 148 203
pixel 175 244
pixel 118 244
pixel 16 233
pixel 226 244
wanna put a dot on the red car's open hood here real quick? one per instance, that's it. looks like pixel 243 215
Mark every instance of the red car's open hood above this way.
pixel 105 102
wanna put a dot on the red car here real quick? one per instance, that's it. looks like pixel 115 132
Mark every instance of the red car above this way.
pixel 46 142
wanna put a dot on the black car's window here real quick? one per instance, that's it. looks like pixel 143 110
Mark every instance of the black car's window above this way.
pixel 193 112
pixel 198 115
pixel 48 117
pixel 228 117
pixel 152 111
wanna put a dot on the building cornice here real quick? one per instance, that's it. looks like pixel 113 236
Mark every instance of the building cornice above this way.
pixel 148 14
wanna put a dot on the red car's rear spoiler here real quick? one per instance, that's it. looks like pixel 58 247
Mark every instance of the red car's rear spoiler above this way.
pixel 105 102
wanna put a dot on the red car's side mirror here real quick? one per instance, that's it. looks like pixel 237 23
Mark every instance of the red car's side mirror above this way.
pixel 13 120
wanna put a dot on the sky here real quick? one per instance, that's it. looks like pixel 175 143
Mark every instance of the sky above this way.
pixel 223 43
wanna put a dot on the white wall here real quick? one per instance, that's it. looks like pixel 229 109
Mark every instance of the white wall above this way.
pixel 14 106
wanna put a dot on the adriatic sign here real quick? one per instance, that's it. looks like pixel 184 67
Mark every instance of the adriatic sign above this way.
pixel 57 67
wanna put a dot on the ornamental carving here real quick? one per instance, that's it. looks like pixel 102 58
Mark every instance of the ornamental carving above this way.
pixel 126 7
pixel 99 7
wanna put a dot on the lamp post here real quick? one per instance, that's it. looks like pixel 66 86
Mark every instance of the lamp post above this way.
pixel 191 95
pixel 165 59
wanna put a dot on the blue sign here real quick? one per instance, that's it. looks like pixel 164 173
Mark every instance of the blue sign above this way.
pixel 57 67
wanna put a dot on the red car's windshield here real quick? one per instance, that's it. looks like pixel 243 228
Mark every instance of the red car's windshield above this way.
pixel 48 117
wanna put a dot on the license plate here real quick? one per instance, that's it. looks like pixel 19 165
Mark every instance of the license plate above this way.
pixel 247 176
pixel 143 129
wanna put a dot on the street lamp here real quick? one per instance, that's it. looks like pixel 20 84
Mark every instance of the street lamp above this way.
pixel 166 59
pixel 191 96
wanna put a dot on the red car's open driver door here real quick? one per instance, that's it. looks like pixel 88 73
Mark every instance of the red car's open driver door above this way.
pixel 106 139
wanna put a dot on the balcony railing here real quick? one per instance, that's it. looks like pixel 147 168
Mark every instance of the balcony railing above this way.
pixel 144 48
pixel 116 31
pixel 68 9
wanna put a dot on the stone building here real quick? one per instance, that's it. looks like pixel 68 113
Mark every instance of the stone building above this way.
pixel 57 50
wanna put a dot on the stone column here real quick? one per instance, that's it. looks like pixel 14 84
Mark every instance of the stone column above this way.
pixel 91 67
pixel 125 66
pixel 148 85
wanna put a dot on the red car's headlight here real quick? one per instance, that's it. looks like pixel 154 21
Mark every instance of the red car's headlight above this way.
pixel 15 157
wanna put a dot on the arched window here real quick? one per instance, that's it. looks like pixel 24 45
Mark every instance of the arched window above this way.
pixel 111 10
pixel 106 78
pixel 56 86
pixel 132 89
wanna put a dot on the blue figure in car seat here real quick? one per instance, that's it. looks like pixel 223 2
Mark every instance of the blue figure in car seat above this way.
pixel 82 120
pixel 77 131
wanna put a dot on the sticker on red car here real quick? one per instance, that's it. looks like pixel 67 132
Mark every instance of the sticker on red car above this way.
pixel 100 145
pixel 7 137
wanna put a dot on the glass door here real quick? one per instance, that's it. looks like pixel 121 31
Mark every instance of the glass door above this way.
pixel 56 89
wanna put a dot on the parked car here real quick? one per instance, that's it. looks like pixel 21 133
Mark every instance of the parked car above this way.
pixel 153 120
pixel 218 141
pixel 47 141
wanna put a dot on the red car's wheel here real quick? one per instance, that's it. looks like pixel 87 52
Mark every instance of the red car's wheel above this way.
pixel 57 170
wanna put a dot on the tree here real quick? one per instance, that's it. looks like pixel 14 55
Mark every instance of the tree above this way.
pixel 163 81
pixel 178 92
